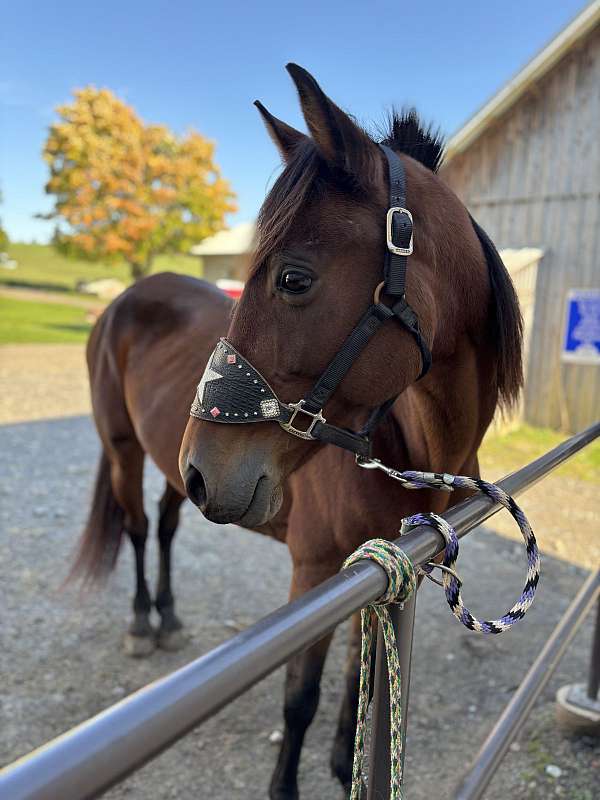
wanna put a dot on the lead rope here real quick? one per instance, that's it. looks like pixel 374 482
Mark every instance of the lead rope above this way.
pixel 401 584
pixel 402 580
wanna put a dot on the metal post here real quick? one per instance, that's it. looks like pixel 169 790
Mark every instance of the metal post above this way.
pixel 379 757
pixel 506 728
pixel 594 676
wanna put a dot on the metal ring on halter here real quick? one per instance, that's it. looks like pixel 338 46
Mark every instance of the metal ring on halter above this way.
pixel 444 568
pixel 377 292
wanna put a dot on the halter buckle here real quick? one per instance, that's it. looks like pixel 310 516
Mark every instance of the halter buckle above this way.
pixel 389 235
pixel 297 408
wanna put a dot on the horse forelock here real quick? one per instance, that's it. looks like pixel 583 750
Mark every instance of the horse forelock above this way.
pixel 286 199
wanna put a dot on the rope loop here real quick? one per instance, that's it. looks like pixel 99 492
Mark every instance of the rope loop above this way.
pixel 402 581
pixel 450 580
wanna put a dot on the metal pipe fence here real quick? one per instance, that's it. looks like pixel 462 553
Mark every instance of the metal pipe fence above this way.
pixel 89 759
pixel 494 748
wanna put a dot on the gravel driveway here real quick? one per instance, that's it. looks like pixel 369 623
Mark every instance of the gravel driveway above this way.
pixel 61 660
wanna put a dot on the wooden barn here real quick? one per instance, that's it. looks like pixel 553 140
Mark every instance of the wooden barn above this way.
pixel 528 167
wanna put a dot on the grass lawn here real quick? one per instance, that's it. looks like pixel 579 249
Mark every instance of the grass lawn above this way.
pixel 22 321
pixel 41 267
pixel 509 451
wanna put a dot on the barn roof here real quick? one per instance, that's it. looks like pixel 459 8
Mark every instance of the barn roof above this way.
pixel 233 242
pixel 539 66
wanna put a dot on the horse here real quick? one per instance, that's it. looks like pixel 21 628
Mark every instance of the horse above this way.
pixel 324 221
pixel 142 355
pixel 373 299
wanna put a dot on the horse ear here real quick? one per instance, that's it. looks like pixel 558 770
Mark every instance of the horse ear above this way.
pixel 283 135
pixel 339 139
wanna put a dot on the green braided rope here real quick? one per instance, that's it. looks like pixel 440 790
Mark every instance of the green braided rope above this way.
pixel 402 581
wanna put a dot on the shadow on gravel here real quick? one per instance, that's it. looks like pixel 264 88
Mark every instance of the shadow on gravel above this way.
pixel 61 659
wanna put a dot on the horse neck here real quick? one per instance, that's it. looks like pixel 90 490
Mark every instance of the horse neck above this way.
pixel 438 423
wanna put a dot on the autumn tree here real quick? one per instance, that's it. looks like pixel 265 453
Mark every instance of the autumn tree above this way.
pixel 128 191
pixel 3 235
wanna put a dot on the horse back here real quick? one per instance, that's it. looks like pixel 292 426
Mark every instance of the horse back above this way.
pixel 145 355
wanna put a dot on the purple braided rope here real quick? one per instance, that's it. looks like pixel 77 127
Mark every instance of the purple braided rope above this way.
pixel 450 583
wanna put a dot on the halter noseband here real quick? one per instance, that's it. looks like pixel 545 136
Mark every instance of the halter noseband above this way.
pixel 232 390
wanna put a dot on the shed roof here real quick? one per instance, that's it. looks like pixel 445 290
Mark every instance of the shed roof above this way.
pixel 539 66
pixel 235 241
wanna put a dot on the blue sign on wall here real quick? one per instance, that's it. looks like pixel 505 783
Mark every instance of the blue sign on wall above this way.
pixel 581 343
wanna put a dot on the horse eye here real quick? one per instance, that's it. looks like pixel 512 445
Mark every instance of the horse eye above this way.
pixel 294 281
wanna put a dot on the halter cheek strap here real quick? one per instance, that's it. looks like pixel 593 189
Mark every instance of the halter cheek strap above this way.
pixel 231 390
pixel 399 245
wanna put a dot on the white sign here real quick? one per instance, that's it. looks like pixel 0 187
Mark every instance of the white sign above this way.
pixel 581 344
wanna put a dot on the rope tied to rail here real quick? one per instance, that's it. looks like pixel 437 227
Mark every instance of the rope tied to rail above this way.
pixel 402 581
pixel 401 584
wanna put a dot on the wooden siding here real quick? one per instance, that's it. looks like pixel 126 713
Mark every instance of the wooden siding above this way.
pixel 533 180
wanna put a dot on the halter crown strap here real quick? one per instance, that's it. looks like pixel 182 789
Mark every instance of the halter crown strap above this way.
pixel 399 224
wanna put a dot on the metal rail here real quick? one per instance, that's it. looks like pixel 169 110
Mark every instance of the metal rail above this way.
pixel 514 715
pixel 86 761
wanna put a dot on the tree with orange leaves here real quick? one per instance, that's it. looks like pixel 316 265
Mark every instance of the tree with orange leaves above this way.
pixel 3 235
pixel 128 191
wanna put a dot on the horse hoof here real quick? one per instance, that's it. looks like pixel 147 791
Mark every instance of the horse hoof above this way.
pixel 284 794
pixel 283 791
pixel 138 646
pixel 171 640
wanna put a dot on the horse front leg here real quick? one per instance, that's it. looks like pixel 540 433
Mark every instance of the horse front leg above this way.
pixel 302 690
pixel 342 754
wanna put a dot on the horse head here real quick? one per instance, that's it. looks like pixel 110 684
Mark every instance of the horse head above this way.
pixel 322 239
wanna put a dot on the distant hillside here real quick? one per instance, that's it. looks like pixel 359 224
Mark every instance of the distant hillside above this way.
pixel 41 267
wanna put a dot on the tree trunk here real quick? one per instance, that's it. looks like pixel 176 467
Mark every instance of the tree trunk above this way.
pixel 139 271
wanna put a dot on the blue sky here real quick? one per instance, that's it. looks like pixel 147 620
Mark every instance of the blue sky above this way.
pixel 197 64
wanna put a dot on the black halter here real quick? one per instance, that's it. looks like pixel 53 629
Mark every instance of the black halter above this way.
pixel 232 390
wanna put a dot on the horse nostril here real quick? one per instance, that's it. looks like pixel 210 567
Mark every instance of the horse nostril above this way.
pixel 195 486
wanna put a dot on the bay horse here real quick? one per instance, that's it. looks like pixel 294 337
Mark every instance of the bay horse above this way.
pixel 323 225
pixel 337 322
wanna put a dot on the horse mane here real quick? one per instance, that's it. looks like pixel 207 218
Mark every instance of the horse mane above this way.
pixel 507 323
pixel 407 133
